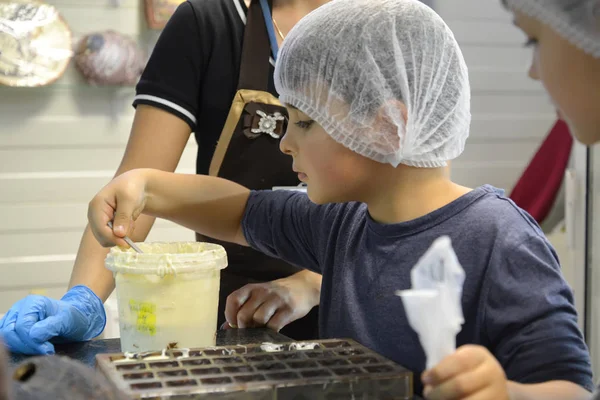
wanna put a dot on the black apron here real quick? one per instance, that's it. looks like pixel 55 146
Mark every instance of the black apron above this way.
pixel 248 153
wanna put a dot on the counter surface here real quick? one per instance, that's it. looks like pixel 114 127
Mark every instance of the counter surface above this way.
pixel 85 352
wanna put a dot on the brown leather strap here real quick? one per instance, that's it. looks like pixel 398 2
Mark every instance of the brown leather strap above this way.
pixel 256 50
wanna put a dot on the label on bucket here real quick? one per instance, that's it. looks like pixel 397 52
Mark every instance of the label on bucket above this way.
pixel 146 316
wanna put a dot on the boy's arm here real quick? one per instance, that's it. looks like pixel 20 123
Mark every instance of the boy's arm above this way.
pixel 553 390
pixel 530 317
pixel 531 328
pixel 211 206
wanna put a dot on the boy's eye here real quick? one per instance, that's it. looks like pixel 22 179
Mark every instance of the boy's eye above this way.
pixel 304 124
pixel 531 42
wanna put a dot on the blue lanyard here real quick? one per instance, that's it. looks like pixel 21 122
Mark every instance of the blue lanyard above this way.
pixel 270 29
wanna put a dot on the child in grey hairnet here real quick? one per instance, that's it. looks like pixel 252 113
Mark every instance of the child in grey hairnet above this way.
pixel 378 100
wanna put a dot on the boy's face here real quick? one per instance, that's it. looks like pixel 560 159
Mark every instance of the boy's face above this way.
pixel 570 76
pixel 333 173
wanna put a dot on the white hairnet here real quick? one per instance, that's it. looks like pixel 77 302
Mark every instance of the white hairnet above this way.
pixel 349 64
pixel 578 21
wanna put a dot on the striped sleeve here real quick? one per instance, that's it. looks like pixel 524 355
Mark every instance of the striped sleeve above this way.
pixel 171 80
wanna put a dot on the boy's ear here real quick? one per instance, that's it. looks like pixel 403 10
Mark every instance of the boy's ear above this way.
pixel 389 110
pixel 403 109
pixel 391 124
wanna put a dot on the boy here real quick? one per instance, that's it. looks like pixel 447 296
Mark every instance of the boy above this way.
pixel 378 100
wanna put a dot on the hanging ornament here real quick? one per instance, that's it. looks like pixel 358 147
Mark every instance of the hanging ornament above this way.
pixel 109 58
pixel 158 12
pixel 35 44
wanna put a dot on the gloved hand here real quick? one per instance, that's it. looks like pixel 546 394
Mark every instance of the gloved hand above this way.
pixel 33 321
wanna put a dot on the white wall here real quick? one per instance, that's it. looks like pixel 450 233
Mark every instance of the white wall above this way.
pixel 511 113
pixel 60 144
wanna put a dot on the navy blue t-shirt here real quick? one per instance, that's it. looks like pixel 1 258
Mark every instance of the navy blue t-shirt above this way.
pixel 515 300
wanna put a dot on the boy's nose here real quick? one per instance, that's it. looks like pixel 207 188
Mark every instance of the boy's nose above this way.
pixel 284 144
pixel 533 69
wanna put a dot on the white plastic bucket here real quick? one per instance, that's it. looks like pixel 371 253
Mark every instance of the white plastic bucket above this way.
pixel 168 295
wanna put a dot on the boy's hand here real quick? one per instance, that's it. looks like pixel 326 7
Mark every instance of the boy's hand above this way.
pixel 470 373
pixel 273 304
pixel 121 201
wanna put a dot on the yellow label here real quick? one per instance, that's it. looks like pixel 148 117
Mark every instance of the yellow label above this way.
pixel 146 316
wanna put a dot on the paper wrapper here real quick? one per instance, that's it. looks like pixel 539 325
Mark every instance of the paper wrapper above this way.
pixel 35 44
pixel 433 305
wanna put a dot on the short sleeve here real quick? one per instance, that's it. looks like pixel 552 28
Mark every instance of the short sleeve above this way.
pixel 287 225
pixel 530 318
pixel 171 79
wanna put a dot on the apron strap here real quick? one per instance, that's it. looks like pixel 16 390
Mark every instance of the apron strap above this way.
pixel 266 9
pixel 255 66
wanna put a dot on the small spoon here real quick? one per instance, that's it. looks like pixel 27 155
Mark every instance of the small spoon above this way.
pixel 127 240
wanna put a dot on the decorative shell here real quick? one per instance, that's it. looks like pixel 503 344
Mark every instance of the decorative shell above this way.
pixel 35 43
pixel 109 58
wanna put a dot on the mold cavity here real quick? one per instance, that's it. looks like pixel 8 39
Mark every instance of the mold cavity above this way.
pixel 363 360
pixel 129 367
pixel 146 385
pixel 24 372
pixel 302 364
pixel 240 349
pixel 138 375
pixel 143 356
pixel 241 368
pixel 375 369
pixel 216 381
pixel 332 345
pixel 205 371
pixel 350 352
pixel 184 382
pixel 282 376
pixel 348 371
pixel 164 364
pixel 289 356
pixel 195 353
pixel 249 378
pixel 270 366
pixel 227 360
pixel 260 358
pixel 198 361
pixel 251 349
pixel 333 362
pixel 177 372
pixel 214 352
pixel 304 346
pixel 318 354
pixel 313 373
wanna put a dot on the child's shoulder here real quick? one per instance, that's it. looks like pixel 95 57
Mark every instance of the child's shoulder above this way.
pixel 495 211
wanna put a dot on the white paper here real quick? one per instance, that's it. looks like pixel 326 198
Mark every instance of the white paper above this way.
pixel 433 305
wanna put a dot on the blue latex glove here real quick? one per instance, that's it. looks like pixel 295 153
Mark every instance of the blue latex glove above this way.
pixel 33 321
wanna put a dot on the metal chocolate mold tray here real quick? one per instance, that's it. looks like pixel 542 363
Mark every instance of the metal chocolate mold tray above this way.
pixel 325 369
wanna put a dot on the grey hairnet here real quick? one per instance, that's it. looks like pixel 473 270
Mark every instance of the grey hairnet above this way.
pixel 578 21
pixel 350 64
